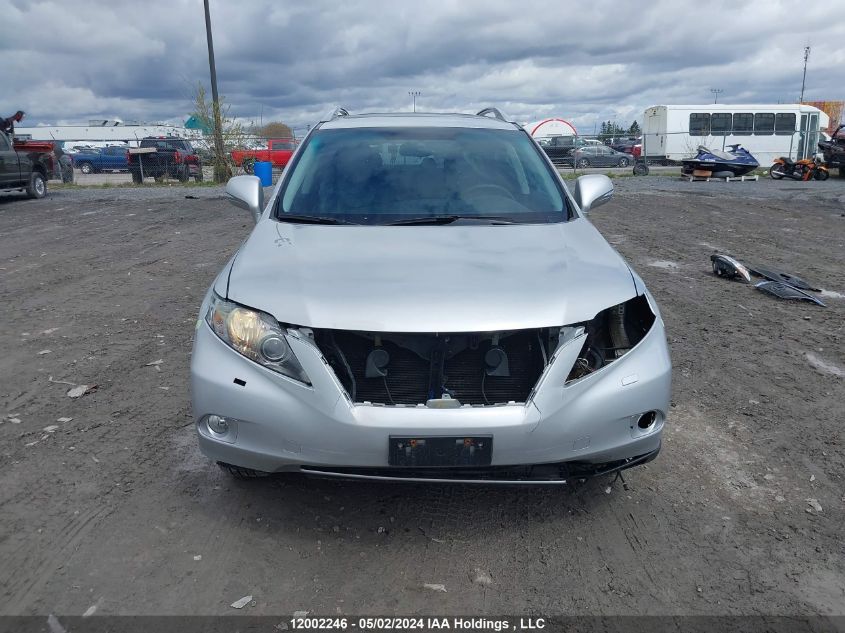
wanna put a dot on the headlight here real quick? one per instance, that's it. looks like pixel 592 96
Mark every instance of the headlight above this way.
pixel 611 334
pixel 256 335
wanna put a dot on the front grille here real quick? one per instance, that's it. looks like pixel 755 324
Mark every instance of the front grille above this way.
pixel 424 366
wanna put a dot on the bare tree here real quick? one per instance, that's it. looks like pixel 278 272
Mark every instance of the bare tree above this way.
pixel 234 134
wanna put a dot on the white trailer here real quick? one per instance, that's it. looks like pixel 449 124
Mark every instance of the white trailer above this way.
pixel 674 132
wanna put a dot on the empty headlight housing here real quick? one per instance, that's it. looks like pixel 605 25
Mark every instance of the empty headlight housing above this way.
pixel 256 335
pixel 611 334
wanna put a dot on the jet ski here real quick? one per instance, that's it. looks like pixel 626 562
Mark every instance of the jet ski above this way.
pixel 735 162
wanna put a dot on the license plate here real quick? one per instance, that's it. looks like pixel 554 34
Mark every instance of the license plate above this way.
pixel 440 451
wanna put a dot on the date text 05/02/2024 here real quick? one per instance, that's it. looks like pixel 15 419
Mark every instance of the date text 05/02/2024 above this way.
pixel 417 623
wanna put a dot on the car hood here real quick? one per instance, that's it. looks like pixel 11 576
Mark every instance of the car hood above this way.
pixel 454 278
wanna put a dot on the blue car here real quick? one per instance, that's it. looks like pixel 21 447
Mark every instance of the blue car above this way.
pixel 91 161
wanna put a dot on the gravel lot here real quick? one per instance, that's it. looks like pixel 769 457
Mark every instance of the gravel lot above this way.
pixel 114 509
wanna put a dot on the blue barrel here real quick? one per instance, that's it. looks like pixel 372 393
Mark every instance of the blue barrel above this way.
pixel 264 171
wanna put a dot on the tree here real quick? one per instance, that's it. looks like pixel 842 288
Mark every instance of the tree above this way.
pixel 634 130
pixel 274 129
pixel 234 135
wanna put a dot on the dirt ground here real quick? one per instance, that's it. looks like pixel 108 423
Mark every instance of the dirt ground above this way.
pixel 107 506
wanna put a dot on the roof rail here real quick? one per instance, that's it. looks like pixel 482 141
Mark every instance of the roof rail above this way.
pixel 494 111
pixel 336 112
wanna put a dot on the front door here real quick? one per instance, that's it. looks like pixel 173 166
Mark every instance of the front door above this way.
pixel 9 168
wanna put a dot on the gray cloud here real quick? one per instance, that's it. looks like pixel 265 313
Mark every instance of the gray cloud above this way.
pixel 68 61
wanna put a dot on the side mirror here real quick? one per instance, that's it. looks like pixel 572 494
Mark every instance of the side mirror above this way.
pixel 592 191
pixel 247 193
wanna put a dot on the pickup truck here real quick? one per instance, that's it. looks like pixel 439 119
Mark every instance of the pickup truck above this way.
pixel 164 156
pixel 278 152
pixel 25 166
pixel 834 150
pixel 92 161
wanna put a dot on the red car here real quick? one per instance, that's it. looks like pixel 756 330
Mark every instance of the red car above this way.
pixel 278 152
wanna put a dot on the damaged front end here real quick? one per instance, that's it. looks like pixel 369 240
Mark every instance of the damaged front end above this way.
pixel 443 370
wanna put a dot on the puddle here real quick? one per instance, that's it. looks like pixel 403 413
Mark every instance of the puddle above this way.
pixel 823 366
pixel 666 265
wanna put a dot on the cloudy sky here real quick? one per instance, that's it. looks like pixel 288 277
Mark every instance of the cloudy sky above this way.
pixel 68 61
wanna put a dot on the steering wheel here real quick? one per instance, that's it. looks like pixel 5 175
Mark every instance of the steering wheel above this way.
pixel 491 186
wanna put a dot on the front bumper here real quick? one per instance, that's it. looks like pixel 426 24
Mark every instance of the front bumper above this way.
pixel 282 425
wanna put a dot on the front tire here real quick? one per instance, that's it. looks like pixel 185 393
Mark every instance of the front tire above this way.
pixel 37 187
pixel 822 174
pixel 86 168
pixel 775 171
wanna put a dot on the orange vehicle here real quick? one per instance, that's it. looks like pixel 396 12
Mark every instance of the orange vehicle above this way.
pixel 278 152
pixel 805 169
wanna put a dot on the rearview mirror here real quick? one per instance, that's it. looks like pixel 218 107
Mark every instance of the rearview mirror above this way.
pixel 247 193
pixel 592 191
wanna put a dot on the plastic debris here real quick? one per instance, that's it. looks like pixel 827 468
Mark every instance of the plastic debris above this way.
pixel 81 390
pixel 90 611
pixel 783 290
pixel 240 604
pixel 14 420
pixel 435 587
pixel 300 614
pixel 482 577
pixel 814 504
pixel 50 429
pixel 198 557
pixel 50 331
pixel 155 362
pixel 64 419
pixel 45 351
pixel 812 477
pixel 727 266
pixel 381 530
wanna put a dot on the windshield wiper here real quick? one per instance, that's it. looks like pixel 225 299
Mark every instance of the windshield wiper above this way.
pixel 310 219
pixel 448 219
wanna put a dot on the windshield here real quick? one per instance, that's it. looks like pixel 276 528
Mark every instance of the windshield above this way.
pixel 383 175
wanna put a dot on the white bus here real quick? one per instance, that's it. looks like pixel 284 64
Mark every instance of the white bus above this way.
pixel 674 132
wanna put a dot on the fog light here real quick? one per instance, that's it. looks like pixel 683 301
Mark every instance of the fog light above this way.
pixel 217 424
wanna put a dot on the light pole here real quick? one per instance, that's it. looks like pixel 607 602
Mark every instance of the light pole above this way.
pixel 716 92
pixel 804 79
pixel 221 170
pixel 414 94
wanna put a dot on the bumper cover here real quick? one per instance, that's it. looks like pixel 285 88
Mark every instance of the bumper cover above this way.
pixel 583 428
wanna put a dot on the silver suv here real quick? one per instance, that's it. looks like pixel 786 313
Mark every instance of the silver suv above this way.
pixel 422 298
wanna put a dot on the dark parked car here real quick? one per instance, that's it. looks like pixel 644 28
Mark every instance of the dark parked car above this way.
pixel 600 156
pixel 164 156
pixel 834 150
pixel 25 166
pixel 91 161
pixel 559 148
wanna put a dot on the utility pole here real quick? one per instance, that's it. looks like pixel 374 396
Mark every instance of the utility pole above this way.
pixel 804 79
pixel 414 94
pixel 221 169
pixel 716 92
